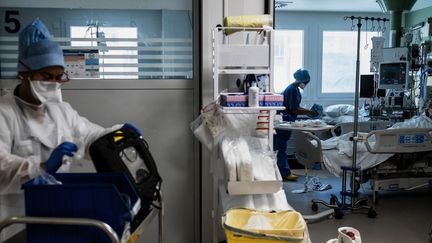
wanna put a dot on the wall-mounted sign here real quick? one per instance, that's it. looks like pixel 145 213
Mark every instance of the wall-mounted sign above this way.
pixel 82 63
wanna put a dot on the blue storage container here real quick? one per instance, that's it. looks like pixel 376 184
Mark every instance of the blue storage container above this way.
pixel 108 197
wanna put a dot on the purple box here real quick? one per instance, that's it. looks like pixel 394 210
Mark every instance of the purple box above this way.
pixel 273 100
pixel 233 99
pixel 261 100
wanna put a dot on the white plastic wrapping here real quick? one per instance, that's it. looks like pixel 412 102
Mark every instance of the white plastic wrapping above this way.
pixel 259 222
pixel 421 121
pixel 339 110
pixel 202 132
pixel 230 159
pixel 245 171
pixel 245 160
pixel 264 166
pixel 342 119
pixel 209 126
pixel 240 123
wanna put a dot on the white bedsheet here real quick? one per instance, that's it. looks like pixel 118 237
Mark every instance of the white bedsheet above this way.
pixel 337 151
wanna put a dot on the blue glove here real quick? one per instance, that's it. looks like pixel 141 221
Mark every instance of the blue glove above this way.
pixel 133 127
pixel 56 158
pixel 318 109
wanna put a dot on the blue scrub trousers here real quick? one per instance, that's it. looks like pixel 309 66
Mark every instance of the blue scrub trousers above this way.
pixel 280 141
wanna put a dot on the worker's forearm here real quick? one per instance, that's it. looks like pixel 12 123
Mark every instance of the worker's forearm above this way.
pixel 301 111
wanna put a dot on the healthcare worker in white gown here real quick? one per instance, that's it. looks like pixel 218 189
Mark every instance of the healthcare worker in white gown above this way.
pixel 38 131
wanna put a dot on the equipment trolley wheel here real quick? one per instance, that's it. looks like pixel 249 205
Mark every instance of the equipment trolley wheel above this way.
pixel 333 200
pixel 338 213
pixel 363 203
pixel 372 213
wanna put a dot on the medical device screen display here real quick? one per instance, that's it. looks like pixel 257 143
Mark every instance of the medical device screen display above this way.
pixel 366 85
pixel 393 75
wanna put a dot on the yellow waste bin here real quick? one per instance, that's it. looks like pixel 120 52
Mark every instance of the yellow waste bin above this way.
pixel 243 225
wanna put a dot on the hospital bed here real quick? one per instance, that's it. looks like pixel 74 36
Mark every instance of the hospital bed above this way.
pixel 364 126
pixel 390 159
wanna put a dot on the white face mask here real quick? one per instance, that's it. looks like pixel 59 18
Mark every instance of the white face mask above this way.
pixel 46 91
pixel 302 85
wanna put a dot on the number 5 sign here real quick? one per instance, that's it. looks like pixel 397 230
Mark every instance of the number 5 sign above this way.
pixel 12 25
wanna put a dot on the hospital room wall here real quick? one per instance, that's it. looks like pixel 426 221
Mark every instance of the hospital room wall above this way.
pixel 162 109
pixel 415 17
pixel 313 24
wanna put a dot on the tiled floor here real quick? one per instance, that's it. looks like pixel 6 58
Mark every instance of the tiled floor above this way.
pixel 403 216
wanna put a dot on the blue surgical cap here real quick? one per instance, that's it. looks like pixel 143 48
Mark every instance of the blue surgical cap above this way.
pixel 301 76
pixel 36 48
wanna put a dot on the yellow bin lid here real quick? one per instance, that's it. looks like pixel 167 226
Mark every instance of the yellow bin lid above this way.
pixel 280 225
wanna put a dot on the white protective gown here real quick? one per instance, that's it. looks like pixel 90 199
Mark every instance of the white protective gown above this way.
pixel 27 138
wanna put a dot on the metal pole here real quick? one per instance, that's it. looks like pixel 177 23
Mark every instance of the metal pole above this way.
pixel 344 176
pixel 62 221
pixel 356 106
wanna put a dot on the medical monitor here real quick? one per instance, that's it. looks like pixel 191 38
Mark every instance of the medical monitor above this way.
pixel 366 85
pixel 393 75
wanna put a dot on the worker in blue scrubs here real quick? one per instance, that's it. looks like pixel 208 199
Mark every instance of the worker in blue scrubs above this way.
pixel 292 99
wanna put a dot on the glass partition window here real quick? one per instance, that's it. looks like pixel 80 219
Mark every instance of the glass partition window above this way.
pixel 288 57
pixel 339 60
pixel 116 47
pixel 108 43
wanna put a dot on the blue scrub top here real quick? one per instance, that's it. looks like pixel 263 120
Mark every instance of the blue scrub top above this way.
pixel 292 99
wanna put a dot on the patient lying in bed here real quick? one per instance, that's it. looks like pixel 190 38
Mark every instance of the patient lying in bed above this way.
pixel 338 151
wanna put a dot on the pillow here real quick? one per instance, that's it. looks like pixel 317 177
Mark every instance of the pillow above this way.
pixel 339 110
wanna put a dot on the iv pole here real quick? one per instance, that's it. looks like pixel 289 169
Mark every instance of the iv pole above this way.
pixel 354 168
pixel 355 203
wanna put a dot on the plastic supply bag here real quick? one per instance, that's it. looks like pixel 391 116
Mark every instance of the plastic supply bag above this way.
pixel 209 126
pixel 201 132
pixel 214 119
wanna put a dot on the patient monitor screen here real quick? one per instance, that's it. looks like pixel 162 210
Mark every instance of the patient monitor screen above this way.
pixel 393 75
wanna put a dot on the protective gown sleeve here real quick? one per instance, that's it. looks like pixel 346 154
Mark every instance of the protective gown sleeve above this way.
pixel 14 170
pixel 85 130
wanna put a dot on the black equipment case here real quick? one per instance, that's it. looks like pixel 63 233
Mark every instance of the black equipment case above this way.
pixel 124 150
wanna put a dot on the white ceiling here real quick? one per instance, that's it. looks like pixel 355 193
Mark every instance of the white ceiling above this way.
pixel 341 5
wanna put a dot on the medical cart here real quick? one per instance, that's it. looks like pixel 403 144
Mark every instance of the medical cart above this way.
pixel 98 206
